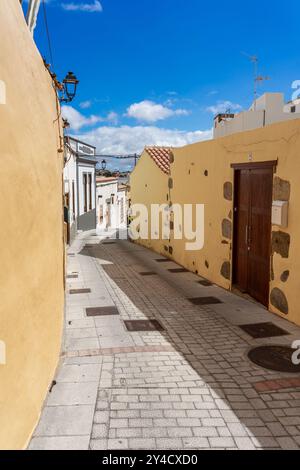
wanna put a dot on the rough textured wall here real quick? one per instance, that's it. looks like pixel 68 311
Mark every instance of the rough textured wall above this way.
pixel 201 173
pixel 31 235
pixel 149 185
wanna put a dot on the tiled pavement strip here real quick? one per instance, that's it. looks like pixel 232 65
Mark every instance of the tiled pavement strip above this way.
pixel 190 386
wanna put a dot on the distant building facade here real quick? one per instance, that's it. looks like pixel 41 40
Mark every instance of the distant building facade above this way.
pixel 79 186
pixel 267 109
pixel 111 204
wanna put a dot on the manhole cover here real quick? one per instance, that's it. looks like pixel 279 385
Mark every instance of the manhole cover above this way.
pixel 263 330
pixel 277 358
pixel 143 325
pixel 205 301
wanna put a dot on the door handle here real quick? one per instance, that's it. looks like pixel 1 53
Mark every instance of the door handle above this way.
pixel 246 241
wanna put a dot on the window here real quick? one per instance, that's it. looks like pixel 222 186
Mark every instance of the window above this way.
pixel 90 192
pixel 85 192
pixel 293 109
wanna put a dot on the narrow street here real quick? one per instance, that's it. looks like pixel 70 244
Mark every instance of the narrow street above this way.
pixel 189 385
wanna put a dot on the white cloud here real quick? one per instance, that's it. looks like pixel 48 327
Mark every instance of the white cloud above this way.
pixel 78 120
pixel 223 106
pixel 127 139
pixel 85 104
pixel 149 111
pixel 212 92
pixel 112 117
pixel 88 7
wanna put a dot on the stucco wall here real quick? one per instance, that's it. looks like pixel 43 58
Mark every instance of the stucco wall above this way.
pixel 213 158
pixel 31 235
pixel 199 173
pixel 149 185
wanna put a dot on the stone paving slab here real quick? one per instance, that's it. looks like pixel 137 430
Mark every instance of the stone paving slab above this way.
pixel 190 386
pixel 60 443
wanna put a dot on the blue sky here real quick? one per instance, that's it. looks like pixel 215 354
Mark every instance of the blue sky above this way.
pixel 156 71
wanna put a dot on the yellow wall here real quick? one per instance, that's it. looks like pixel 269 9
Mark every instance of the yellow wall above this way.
pixel 191 185
pixel 31 235
pixel 149 185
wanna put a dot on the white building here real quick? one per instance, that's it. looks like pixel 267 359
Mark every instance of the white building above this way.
pixel 79 186
pixel 267 109
pixel 111 204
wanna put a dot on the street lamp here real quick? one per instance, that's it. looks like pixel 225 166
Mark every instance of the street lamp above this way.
pixel 103 165
pixel 70 83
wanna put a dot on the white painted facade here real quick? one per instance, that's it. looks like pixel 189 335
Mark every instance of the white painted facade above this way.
pixel 80 185
pixel 292 106
pixel 267 109
pixel 32 13
pixel 88 202
pixel 111 205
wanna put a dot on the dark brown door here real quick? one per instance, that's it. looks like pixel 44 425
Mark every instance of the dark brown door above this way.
pixel 252 231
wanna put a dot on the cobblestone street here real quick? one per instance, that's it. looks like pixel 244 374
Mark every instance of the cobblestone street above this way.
pixel 188 386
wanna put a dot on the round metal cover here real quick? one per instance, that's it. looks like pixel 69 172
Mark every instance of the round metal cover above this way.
pixel 277 358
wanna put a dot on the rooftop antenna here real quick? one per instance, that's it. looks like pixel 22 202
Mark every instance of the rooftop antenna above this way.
pixel 257 78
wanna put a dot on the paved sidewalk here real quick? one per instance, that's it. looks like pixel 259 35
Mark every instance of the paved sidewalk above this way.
pixel 190 386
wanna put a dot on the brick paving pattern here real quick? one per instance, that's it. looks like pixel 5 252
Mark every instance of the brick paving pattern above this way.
pixel 190 386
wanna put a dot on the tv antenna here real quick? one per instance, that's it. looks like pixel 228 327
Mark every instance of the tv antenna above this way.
pixel 257 78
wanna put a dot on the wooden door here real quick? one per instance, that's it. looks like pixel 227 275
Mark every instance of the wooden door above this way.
pixel 252 230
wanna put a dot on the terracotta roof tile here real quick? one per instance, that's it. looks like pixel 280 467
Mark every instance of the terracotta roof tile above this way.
pixel 161 156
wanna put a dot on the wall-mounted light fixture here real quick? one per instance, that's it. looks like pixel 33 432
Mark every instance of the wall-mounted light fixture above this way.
pixel 70 83
pixel 103 165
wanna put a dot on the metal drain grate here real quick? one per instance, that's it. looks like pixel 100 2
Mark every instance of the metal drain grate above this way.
pixel 204 283
pixel 108 243
pixel 278 358
pixel 80 291
pixel 205 301
pixel 143 325
pixel 72 276
pixel 263 330
pixel 101 311
pixel 178 270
